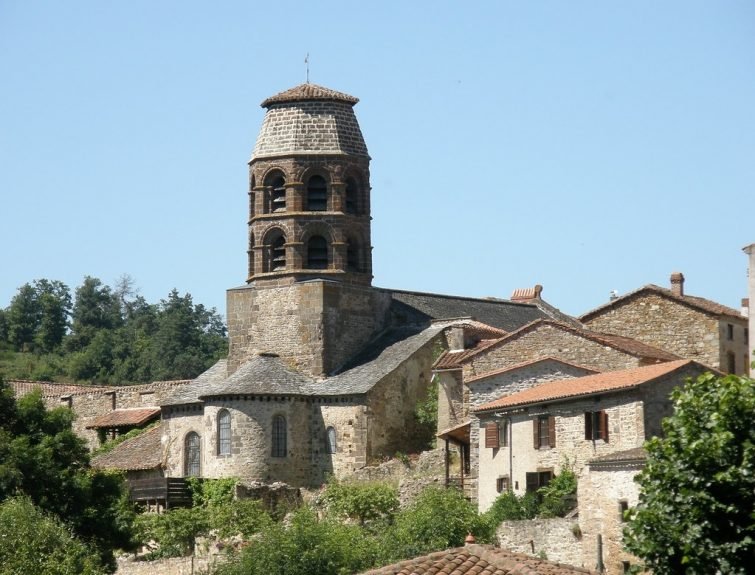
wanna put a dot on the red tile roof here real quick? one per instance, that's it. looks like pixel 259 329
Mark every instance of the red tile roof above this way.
pixel 133 417
pixel 306 92
pixel 700 303
pixel 141 452
pixel 527 364
pixel 590 384
pixel 476 560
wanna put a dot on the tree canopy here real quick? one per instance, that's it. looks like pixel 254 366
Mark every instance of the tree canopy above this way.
pixel 106 335
pixel 696 513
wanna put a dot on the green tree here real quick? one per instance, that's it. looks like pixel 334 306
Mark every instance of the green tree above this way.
pixel 32 541
pixel 54 305
pixel 23 318
pixel 696 512
pixel 361 501
pixel 96 308
pixel 41 457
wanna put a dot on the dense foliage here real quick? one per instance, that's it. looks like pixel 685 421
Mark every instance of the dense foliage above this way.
pixel 42 459
pixel 361 501
pixel 697 492
pixel 106 335
pixel 32 541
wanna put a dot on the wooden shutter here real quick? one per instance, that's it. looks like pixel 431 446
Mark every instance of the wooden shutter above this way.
pixel 536 432
pixel 604 425
pixel 491 435
pixel 552 431
pixel 588 425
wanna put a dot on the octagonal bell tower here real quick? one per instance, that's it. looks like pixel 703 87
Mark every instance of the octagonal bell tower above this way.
pixel 309 193
pixel 308 295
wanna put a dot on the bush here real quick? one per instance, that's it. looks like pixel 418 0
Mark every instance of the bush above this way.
pixel 175 531
pixel 559 496
pixel 510 507
pixel 361 501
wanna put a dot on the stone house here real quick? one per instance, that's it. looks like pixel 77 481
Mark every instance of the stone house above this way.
pixel 686 325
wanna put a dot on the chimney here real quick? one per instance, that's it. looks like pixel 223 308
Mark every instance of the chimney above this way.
pixel 527 294
pixel 745 307
pixel 677 283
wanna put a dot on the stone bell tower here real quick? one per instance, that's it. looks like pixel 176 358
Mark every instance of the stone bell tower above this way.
pixel 307 296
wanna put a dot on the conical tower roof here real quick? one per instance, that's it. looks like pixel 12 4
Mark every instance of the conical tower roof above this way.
pixel 308 92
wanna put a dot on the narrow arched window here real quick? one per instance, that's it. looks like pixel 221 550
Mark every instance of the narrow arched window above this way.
pixel 330 440
pixel 192 455
pixel 275 192
pixel 278 254
pixel 317 253
pixel 317 194
pixel 352 197
pixel 224 432
pixel 352 256
pixel 279 436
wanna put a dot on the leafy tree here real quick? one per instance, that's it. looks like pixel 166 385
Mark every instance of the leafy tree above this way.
pixel 696 512
pixel 38 315
pixel 23 317
pixel 32 541
pixel 41 457
pixel 361 501
pixel 510 507
pixel 96 308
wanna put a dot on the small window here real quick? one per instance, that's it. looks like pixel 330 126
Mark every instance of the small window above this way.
pixel 192 455
pixel 317 194
pixel 623 508
pixel 502 484
pixel 278 195
pixel 330 440
pixel 503 434
pixel 626 567
pixel 278 254
pixel 491 435
pixel 731 362
pixel 317 253
pixel 352 197
pixel 279 436
pixel 224 432
pixel 538 479
pixel 596 425
pixel 544 431
pixel 729 332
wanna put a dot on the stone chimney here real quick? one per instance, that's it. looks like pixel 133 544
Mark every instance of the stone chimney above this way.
pixel 526 294
pixel 745 307
pixel 677 283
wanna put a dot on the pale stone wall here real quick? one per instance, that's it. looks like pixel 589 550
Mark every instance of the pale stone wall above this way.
pixel 558 539
pixel 545 341
pixel 451 410
pixel 600 492
pixel 316 326
pixel 675 327
pixel 750 251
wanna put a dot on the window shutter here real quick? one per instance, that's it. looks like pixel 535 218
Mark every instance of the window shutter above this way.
pixel 552 431
pixel 588 425
pixel 536 432
pixel 491 435
pixel 604 425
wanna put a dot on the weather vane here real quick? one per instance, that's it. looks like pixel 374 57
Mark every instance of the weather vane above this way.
pixel 306 61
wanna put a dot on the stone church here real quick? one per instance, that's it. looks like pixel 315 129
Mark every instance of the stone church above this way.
pixel 324 370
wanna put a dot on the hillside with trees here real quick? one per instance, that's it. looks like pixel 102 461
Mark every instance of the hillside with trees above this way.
pixel 106 335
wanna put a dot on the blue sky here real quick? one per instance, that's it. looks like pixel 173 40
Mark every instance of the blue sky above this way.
pixel 586 145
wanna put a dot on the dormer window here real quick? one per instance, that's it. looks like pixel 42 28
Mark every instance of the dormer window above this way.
pixel 317 194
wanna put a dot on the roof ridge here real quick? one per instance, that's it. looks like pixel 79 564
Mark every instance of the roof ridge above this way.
pixel 462 297
pixel 501 370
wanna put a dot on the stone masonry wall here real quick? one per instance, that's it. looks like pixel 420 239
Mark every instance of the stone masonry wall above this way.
pixel 545 341
pixel 558 539
pixel 316 326
pixel 669 325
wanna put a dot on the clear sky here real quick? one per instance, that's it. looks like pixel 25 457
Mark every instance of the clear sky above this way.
pixel 584 145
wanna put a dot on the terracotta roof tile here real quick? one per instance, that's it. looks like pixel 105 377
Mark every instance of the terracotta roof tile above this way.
pixel 699 303
pixel 141 452
pixel 590 384
pixel 133 417
pixel 307 92
pixel 454 359
pixel 474 560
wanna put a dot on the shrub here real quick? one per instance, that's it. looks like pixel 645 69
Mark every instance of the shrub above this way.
pixel 361 501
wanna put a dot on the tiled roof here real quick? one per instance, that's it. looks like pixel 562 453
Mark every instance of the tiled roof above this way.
pixel 262 374
pixel 527 364
pixel 141 452
pixel 421 308
pixel 21 387
pixel 621 343
pixel 476 560
pixel 306 92
pixel 634 455
pixel 696 302
pixel 589 384
pixel 132 417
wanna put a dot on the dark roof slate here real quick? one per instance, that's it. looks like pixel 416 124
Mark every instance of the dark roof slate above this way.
pixel 476 560
pixel 262 374
pixel 141 452
pixel 190 393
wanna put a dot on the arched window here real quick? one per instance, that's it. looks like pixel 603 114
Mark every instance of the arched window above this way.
pixel 250 254
pixel 352 256
pixel 192 455
pixel 276 190
pixel 277 254
pixel 279 436
pixel 224 432
pixel 317 253
pixel 330 440
pixel 352 196
pixel 317 194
